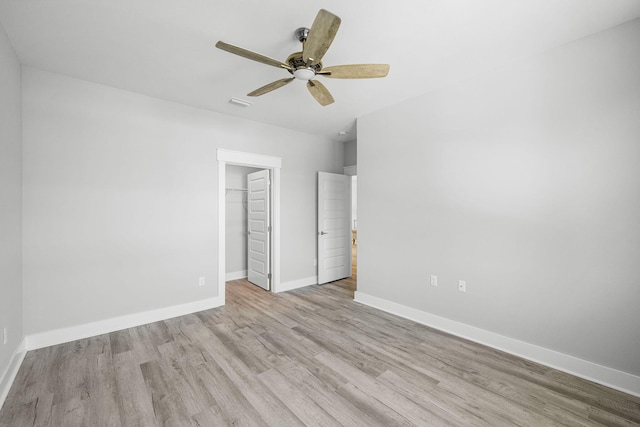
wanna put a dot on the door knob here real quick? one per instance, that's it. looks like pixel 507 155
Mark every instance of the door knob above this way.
pixel 322 233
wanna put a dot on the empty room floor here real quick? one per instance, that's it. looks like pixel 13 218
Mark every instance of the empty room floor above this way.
pixel 306 357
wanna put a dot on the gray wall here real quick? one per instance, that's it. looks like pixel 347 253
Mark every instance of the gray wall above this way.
pixel 525 182
pixel 350 153
pixel 121 199
pixel 236 218
pixel 10 203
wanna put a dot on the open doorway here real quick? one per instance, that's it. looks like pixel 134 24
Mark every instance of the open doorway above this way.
pixel 228 158
pixel 237 207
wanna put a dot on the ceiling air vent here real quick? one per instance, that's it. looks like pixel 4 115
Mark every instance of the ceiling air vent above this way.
pixel 239 102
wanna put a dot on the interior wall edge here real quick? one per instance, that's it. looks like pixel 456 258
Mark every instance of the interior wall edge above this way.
pixel 618 380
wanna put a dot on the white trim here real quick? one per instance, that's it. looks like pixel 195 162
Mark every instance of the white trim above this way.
pixel 10 373
pixel 609 377
pixel 295 284
pixel 222 226
pixel 257 161
pixel 248 159
pixel 72 333
pixel 235 275
pixel 275 230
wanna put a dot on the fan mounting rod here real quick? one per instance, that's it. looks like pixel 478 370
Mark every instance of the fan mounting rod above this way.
pixel 301 34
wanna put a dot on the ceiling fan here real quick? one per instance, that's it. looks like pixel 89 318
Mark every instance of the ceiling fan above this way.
pixel 306 65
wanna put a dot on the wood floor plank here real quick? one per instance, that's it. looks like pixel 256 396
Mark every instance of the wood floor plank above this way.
pixel 120 341
pixel 324 396
pixel 306 357
pixel 326 374
pixel 102 392
pixel 69 412
pixel 210 417
pixel 381 413
pixel 234 408
pixel 168 405
pixel 239 349
pixel 42 411
pixel 426 394
pixel 298 403
pixel 258 401
pixel 389 397
pixel 134 401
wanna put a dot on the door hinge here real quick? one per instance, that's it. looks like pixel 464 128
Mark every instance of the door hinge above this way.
pixel 269 276
pixel 269 229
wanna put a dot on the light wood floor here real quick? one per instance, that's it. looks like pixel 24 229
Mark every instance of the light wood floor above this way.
pixel 305 357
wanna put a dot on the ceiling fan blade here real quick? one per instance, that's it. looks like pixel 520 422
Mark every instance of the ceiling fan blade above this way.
pixel 251 55
pixel 356 71
pixel 319 92
pixel 271 86
pixel 321 34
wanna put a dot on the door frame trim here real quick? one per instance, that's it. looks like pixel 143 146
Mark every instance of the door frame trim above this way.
pixel 274 164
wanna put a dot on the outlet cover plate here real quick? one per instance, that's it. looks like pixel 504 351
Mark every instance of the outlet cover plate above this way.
pixel 462 286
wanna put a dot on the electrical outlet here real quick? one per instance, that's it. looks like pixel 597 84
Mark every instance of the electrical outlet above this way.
pixel 462 286
pixel 434 280
pixel 5 337
pixel 201 281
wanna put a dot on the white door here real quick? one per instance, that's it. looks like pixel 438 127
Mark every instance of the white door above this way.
pixel 334 228
pixel 259 230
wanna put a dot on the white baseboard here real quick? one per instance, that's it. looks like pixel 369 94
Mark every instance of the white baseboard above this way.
pixel 9 375
pixel 295 284
pixel 72 333
pixel 235 275
pixel 604 375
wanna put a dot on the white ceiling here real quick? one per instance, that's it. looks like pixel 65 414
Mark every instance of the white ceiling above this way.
pixel 165 48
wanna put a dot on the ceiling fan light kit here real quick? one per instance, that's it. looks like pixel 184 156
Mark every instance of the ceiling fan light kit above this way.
pixel 306 65
pixel 305 74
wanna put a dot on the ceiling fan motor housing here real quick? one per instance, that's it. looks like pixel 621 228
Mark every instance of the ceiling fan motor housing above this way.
pixel 300 69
